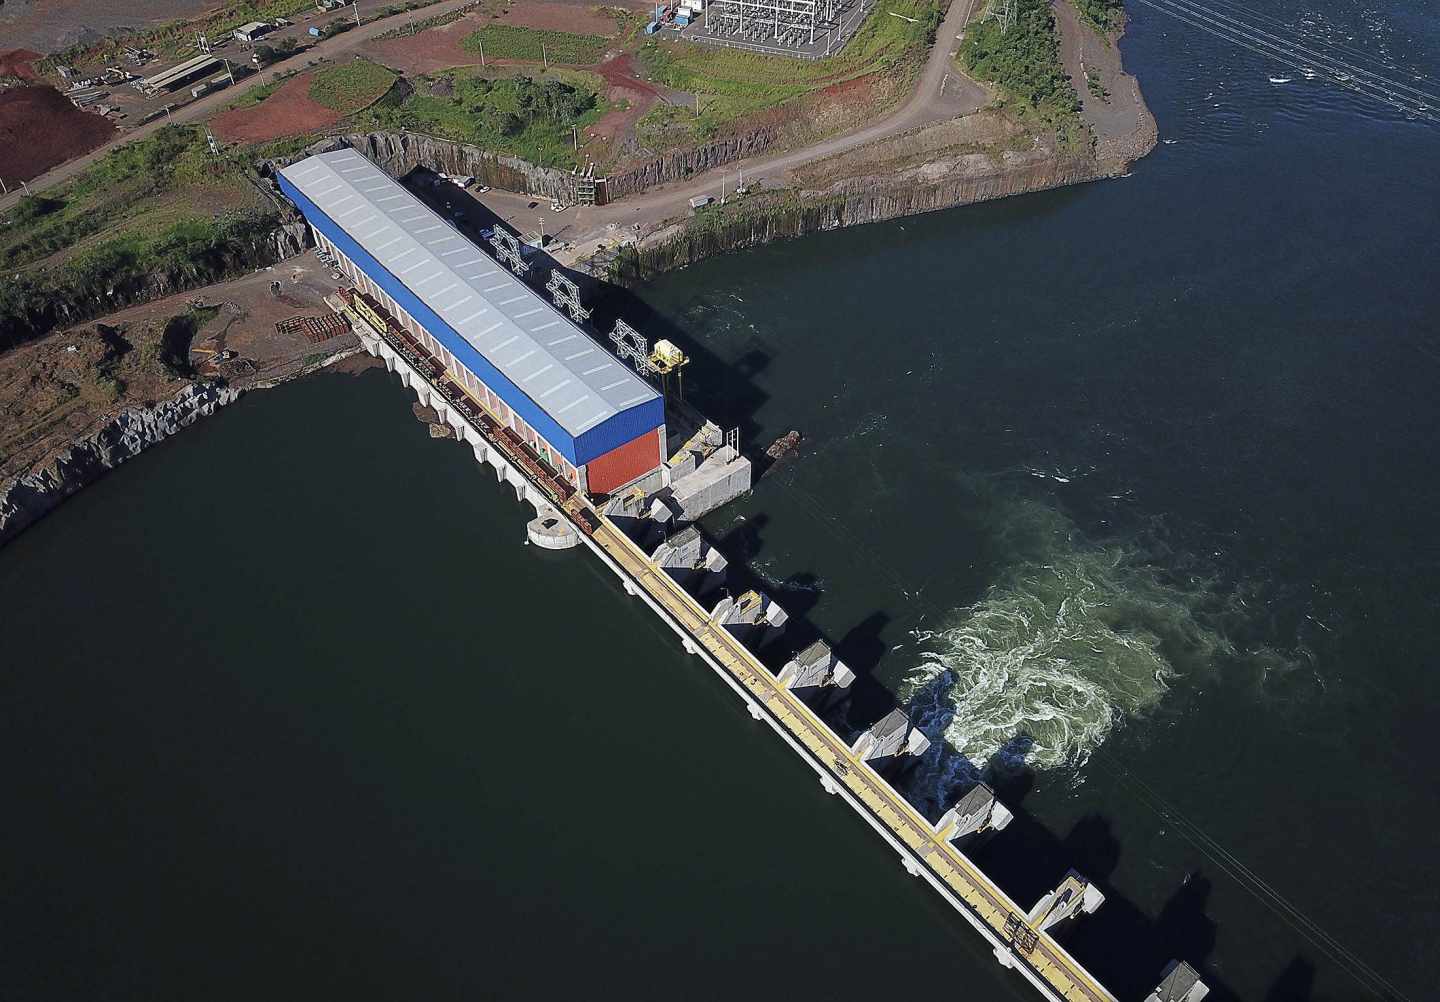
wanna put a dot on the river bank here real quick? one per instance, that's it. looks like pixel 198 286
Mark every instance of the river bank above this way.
pixel 78 403
pixel 985 151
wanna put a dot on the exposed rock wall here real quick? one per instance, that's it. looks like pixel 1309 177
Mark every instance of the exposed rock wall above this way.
pixel 681 164
pixel 399 152
pixel 135 429
pixel 290 239
pixel 852 202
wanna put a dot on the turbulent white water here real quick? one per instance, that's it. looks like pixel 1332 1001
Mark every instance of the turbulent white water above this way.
pixel 1071 640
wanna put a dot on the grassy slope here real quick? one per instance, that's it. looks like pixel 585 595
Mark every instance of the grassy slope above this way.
pixel 505 41
pixel 350 86
pixel 487 108
pixel 1025 63
pixel 130 190
pixel 158 210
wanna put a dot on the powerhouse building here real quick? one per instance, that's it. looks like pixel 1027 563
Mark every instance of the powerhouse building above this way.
pixel 586 415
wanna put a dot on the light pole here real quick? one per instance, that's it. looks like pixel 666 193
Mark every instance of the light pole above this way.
pixel 481 40
pixel 575 133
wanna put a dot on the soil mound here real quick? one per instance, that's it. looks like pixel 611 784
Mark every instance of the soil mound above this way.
pixel 16 63
pixel 287 112
pixel 40 128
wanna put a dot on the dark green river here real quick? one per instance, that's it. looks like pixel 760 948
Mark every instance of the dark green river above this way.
pixel 1128 490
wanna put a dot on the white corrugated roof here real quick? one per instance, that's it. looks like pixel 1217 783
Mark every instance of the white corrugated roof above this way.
pixel 539 349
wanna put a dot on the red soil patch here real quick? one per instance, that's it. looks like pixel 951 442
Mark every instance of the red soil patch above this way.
pixel 428 52
pixel 16 63
pixel 287 112
pixel 855 89
pixel 578 19
pixel 40 128
pixel 623 85
pixel 439 48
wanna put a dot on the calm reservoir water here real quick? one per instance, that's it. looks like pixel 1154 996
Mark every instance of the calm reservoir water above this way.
pixel 1133 482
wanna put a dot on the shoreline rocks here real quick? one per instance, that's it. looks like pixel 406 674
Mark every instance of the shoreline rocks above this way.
pixel 128 434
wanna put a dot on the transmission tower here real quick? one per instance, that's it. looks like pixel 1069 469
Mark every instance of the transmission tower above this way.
pixel 631 344
pixel 507 250
pixel 567 294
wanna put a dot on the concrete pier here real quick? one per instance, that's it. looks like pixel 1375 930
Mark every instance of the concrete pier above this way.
pixel 889 737
pixel 1180 984
pixel 976 812
pixel 816 667
pixel 1074 897
pixel 694 564
pixel 1021 941
pixel 752 618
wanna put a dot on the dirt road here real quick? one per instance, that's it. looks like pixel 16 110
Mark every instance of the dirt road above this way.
pixel 1120 110
pixel 941 94
pixel 330 48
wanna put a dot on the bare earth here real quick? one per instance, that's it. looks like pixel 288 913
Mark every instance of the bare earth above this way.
pixel 329 48
pixel 40 128
pixel 550 15
pixel 942 93
pixel 50 25
pixel 287 112
pixel 49 395
pixel 430 51
pixel 1081 49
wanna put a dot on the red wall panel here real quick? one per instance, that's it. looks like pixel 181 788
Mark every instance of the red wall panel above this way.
pixel 624 463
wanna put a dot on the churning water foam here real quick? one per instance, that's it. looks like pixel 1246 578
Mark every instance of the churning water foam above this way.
pixel 1070 640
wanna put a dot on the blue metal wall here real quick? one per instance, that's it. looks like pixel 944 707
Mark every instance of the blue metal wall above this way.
pixel 614 431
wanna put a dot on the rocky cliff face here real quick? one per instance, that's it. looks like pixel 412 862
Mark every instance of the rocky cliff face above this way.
pixel 25 499
pixel 289 239
pixel 684 163
pixel 851 201
pixel 398 152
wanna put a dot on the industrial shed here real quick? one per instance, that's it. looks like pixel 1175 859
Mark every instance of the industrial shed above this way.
pixel 506 340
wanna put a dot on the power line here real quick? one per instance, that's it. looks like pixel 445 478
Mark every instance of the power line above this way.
pixel 1299 57
pixel 1369 978
pixel 1276 41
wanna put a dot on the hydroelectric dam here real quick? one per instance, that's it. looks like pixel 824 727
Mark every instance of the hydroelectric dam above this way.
pixel 610 464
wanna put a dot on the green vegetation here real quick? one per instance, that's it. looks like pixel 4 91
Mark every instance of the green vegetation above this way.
pixel 155 215
pixel 518 114
pixel 124 186
pixel 423 24
pixel 1025 62
pixel 1103 15
pixel 256 94
pixel 733 84
pixel 348 87
pixel 1094 85
pixel 507 41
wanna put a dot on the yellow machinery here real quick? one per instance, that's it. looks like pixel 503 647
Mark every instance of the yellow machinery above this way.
pixel 667 358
